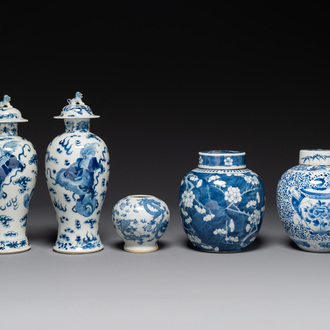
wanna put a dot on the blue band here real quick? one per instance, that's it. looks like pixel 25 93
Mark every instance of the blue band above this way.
pixel 221 159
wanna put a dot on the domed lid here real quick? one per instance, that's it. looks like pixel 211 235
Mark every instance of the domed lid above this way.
pixel 314 157
pixel 8 114
pixel 221 159
pixel 76 109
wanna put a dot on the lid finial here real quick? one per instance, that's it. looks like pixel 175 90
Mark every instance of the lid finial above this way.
pixel 77 99
pixel 6 101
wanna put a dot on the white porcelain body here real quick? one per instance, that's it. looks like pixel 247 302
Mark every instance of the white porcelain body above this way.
pixel 140 220
pixel 303 201
pixel 77 172
pixel 18 174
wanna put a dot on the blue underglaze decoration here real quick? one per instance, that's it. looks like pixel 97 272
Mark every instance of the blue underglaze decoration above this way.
pixel 59 206
pixel 220 158
pixel 150 212
pixel 9 129
pixel 76 165
pixel 50 158
pixel 63 219
pixel 33 160
pixel 10 234
pixel 22 182
pixel 77 224
pixel 13 244
pixel 79 179
pixel 303 203
pixel 314 157
pixel 11 203
pixel 86 243
pixel 90 222
pixel 18 171
pixel 66 145
pixel 23 221
pixel 81 126
pixel 8 163
pixel 5 221
pixel 221 210
pixel 76 108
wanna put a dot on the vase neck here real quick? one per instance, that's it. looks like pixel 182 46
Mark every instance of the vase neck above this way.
pixel 8 129
pixel 76 125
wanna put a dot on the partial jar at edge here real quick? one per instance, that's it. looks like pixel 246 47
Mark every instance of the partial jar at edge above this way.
pixel 303 200
pixel 18 175
pixel 221 202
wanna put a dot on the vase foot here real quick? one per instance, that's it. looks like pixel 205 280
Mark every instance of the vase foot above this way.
pixel 15 250
pixel 77 251
pixel 140 249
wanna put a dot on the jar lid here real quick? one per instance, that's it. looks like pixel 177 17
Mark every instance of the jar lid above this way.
pixel 221 159
pixel 314 157
pixel 8 114
pixel 76 109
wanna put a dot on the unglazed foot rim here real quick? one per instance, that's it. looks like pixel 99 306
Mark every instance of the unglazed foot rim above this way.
pixel 78 251
pixel 141 249
pixel 13 251
pixel 306 249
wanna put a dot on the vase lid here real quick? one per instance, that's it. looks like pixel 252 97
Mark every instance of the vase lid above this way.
pixel 314 157
pixel 76 109
pixel 9 114
pixel 221 159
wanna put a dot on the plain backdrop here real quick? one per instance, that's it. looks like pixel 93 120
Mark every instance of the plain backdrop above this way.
pixel 169 79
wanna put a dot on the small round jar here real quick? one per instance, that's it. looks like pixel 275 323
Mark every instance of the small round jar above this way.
pixel 140 220
pixel 221 202
pixel 303 200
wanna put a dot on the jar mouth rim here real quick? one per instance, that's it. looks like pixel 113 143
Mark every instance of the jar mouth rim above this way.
pixel 139 196
pixel 221 153
pixel 314 157
pixel 319 150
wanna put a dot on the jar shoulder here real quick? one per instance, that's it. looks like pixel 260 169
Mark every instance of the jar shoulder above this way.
pixel 308 169
pixel 305 171
pixel 76 138
pixel 206 173
pixel 243 179
pixel 16 142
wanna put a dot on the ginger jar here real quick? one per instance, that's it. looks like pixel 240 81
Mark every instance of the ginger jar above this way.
pixel 221 202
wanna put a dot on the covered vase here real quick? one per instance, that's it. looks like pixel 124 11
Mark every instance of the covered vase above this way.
pixel 77 169
pixel 18 175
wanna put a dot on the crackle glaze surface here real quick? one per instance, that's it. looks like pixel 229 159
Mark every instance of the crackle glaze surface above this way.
pixel 77 171
pixel 303 202
pixel 222 209
pixel 140 220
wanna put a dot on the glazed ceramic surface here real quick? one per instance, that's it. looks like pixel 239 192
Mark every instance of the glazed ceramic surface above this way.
pixel 221 202
pixel 140 220
pixel 303 201
pixel 18 174
pixel 77 172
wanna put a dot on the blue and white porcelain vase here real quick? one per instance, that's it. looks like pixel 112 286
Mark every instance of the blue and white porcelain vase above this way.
pixel 18 175
pixel 221 202
pixel 140 220
pixel 303 200
pixel 77 171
